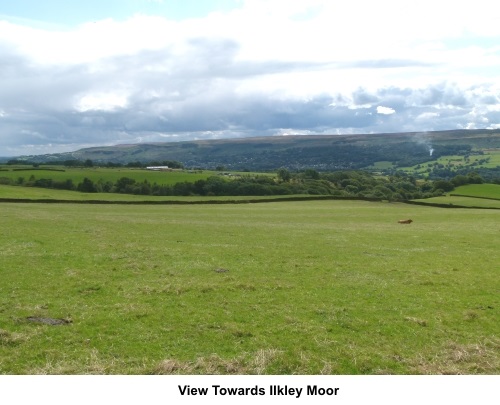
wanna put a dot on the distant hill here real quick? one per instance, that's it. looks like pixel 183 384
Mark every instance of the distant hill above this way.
pixel 320 152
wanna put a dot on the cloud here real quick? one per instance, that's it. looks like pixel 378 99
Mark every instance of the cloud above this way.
pixel 362 97
pixel 427 116
pixel 385 110
pixel 265 68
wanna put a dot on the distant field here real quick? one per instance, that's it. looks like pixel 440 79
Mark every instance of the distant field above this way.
pixel 35 193
pixel 462 201
pixel 383 165
pixel 317 287
pixel 109 174
pixel 490 159
pixel 471 195
pixel 479 190
pixel 494 157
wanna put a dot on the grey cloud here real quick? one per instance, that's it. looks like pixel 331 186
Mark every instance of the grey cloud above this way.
pixel 490 99
pixel 442 94
pixel 361 97
pixel 187 94
pixel 493 117
pixel 202 59
pixel 394 97
pixel 38 89
pixel 227 115
pixel 257 114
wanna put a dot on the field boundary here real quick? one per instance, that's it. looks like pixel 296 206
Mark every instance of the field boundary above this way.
pixel 229 201
pixel 180 202
pixel 449 205
pixel 473 196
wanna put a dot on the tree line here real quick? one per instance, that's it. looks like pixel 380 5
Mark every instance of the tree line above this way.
pixel 397 187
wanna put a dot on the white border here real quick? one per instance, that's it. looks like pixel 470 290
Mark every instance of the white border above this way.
pixel 124 390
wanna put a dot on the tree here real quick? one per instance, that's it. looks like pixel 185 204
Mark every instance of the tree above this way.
pixel 284 174
pixel 124 185
pixel 215 186
pixel 475 178
pixel 459 180
pixel 86 186
pixel 443 185
pixel 312 174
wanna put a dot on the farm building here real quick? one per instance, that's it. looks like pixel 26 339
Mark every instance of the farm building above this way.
pixel 157 168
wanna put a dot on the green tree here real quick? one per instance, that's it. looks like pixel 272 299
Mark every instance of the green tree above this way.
pixel 311 174
pixel 459 180
pixel 284 174
pixel 86 186
pixel 443 185
pixel 475 178
pixel 124 185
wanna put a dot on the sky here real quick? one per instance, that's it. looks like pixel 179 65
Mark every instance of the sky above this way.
pixel 76 74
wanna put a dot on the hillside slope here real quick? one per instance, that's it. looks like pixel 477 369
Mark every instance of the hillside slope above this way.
pixel 322 152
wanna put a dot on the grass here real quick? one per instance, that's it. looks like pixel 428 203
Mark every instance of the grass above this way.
pixel 471 195
pixel 382 165
pixel 318 287
pixel 489 159
pixel 460 201
pixel 494 157
pixel 110 174
pixel 479 190
pixel 35 193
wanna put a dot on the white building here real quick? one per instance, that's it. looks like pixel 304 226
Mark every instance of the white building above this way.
pixel 157 168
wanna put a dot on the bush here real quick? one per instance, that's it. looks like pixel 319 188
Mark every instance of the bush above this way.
pixel 443 185
pixel 5 181
pixel 86 186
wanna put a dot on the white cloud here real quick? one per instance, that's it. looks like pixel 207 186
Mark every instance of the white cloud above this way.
pixel 385 110
pixel 102 102
pixel 427 116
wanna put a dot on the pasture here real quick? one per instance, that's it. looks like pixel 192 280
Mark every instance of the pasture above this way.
pixel 479 190
pixel 35 193
pixel 490 158
pixel 314 287
pixel 470 195
pixel 106 174
pixel 462 201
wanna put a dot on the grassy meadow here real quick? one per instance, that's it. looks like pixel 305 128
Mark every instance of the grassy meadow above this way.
pixel 314 287
pixel 106 174
pixel 490 158
pixel 36 193
pixel 479 190
pixel 470 195
pixel 462 201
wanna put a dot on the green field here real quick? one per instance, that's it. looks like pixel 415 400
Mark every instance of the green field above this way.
pixel 317 287
pixel 108 174
pixel 489 159
pixel 470 195
pixel 459 201
pixel 35 193
pixel 382 165
pixel 479 190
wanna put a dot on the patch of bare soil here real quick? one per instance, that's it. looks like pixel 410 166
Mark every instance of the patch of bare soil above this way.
pixel 48 321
